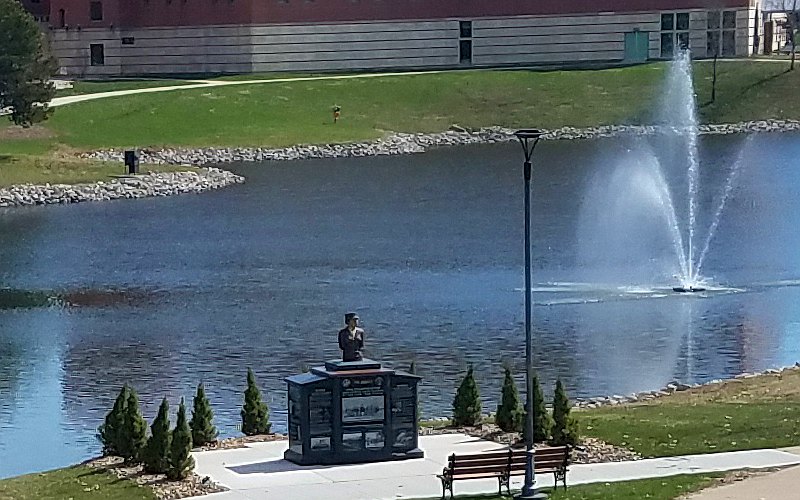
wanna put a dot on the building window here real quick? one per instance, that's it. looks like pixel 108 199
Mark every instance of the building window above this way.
pixel 465 29
pixel 127 40
pixel 97 54
pixel 62 18
pixel 721 33
pixel 96 11
pixel 674 32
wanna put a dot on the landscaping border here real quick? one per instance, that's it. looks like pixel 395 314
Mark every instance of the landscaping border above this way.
pixel 403 143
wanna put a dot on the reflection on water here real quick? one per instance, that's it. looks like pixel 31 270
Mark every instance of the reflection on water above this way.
pixel 169 292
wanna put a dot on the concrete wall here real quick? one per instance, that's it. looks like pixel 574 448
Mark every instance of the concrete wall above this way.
pixel 563 39
pixel 370 45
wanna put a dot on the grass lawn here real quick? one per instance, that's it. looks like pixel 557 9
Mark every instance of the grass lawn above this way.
pixel 743 414
pixel 76 483
pixel 282 114
pixel 64 169
pixel 667 488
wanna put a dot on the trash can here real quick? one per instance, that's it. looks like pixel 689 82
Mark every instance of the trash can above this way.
pixel 132 161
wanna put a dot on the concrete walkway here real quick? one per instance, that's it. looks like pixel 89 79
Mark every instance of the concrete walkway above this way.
pixel 259 472
pixel 781 485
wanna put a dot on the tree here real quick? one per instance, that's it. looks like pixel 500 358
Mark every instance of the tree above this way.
pixel 180 460
pixel 202 423
pixel 110 431
pixel 541 418
pixel 134 429
pixel 467 403
pixel 564 426
pixel 156 451
pixel 509 412
pixel 255 414
pixel 791 8
pixel 25 66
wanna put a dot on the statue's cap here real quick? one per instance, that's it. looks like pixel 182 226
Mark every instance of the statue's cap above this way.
pixel 349 316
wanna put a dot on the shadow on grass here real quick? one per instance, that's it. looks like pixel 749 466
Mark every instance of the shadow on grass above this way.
pixel 759 83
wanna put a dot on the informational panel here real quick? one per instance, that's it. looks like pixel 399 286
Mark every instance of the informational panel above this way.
pixel 404 411
pixel 363 400
pixel 320 404
pixel 363 414
pixel 295 419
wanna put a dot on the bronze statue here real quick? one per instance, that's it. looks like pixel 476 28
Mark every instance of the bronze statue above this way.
pixel 351 338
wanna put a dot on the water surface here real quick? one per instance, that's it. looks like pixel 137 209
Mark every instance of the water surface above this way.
pixel 427 248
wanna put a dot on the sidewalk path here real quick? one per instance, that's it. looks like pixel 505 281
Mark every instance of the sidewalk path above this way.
pixel 258 472
pixel 199 84
pixel 781 485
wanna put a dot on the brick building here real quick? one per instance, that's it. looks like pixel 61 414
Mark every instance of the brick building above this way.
pixel 94 38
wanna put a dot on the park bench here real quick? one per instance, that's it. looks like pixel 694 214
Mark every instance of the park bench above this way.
pixel 502 465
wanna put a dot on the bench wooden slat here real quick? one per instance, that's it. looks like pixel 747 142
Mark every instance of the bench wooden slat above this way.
pixel 493 472
pixel 480 456
pixel 480 463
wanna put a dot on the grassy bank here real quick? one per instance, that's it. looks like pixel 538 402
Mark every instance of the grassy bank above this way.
pixel 59 168
pixel 287 113
pixel 742 414
pixel 77 483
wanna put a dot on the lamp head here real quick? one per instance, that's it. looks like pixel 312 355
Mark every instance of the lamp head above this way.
pixel 528 138
pixel 528 133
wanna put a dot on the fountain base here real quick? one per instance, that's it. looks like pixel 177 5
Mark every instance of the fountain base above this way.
pixel 688 289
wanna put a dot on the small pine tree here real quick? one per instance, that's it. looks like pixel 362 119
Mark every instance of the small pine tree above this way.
pixel 509 412
pixel 467 403
pixel 110 430
pixel 542 422
pixel 156 451
pixel 564 426
pixel 255 414
pixel 134 429
pixel 180 460
pixel 202 422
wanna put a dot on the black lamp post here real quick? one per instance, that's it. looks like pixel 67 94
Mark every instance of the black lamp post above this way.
pixel 528 138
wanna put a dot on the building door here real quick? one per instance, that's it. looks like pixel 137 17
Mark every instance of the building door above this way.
pixel 637 46
pixel 769 36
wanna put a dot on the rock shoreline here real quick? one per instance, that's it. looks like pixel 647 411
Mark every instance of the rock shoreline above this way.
pixel 670 388
pixel 402 143
pixel 138 186
pixel 165 184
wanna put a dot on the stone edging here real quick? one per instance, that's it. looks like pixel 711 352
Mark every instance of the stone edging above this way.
pixel 401 143
pixel 670 388
pixel 139 186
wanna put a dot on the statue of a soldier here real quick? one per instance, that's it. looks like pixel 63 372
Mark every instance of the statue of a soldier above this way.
pixel 351 338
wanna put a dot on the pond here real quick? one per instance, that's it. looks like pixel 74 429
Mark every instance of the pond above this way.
pixel 427 248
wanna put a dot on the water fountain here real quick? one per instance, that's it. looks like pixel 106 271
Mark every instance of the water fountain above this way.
pixel 638 225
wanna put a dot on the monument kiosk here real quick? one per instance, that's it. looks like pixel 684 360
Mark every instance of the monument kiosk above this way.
pixel 352 411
